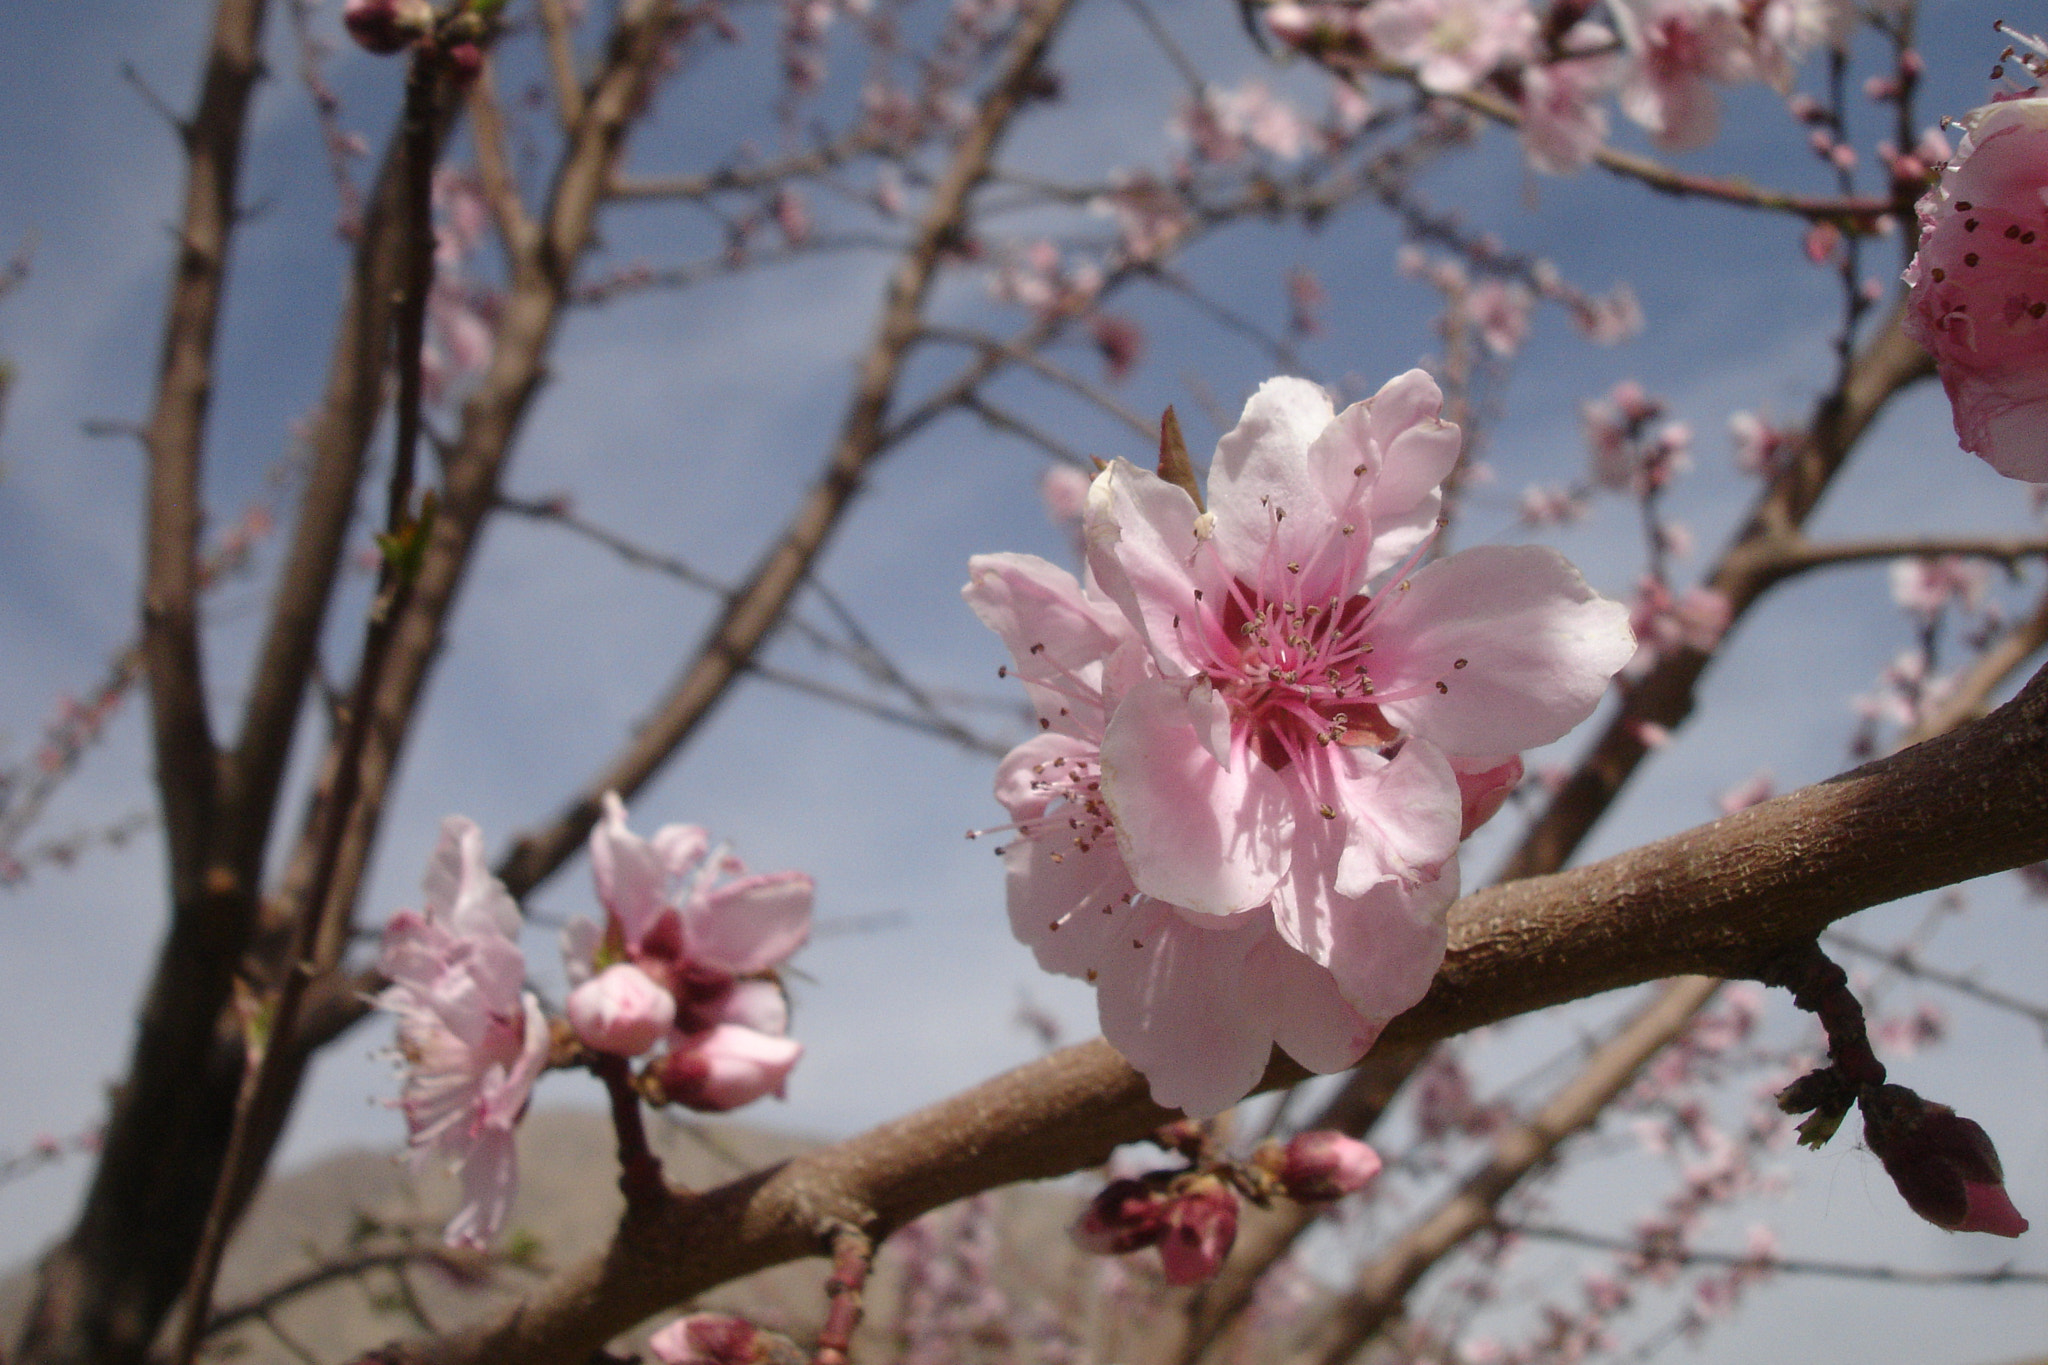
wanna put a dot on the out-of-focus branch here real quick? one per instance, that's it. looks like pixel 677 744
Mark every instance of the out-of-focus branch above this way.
pixel 1664 696
pixel 554 18
pixel 106 1285
pixel 1661 1256
pixel 1381 1288
pixel 1716 900
pixel 1967 697
pixel 1907 961
pixel 1796 554
pixel 747 622
pixel 850 145
pixel 1028 356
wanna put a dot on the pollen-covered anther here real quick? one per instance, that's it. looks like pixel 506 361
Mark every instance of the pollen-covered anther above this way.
pixel 1459 663
pixel 1327 811
pixel 1443 688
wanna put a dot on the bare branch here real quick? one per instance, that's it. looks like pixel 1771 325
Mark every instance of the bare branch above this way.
pixel 745 625
pixel 1027 354
pixel 1796 554
pixel 848 146
pixel 1002 419
pixel 1907 961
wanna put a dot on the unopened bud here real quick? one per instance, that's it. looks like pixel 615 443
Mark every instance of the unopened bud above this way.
pixel 1201 1226
pixel 1944 1164
pixel 724 1067
pixel 387 26
pixel 621 1011
pixel 1321 1165
pixel 1124 1216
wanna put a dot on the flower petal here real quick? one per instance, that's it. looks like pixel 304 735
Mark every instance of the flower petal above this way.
pixel 1503 648
pixel 1192 833
pixel 750 924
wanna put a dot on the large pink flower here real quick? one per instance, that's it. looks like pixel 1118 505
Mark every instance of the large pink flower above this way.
pixel 706 936
pixel 1242 821
pixel 1195 1002
pixel 472 1039
pixel 1980 285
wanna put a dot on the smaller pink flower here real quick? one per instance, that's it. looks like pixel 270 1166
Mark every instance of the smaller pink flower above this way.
pixel 708 1339
pixel 1125 1215
pixel 472 1039
pixel 1979 300
pixel 1321 1165
pixel 621 1011
pixel 1564 122
pixel 725 1067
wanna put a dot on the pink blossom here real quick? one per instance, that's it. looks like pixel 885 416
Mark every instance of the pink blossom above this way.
pixel 1943 1164
pixel 1321 1165
pixel 1064 491
pixel 1194 1003
pixel 621 1010
pixel 1453 44
pixel 1925 585
pixel 472 1039
pixel 709 936
pixel 1500 310
pixel 1980 290
pixel 707 1339
pixel 1242 822
pixel 1760 447
pixel 1678 50
pixel 1563 119
pixel 1222 124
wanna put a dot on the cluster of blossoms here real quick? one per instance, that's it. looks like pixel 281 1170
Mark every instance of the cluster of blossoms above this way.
pixel 392 26
pixel 1662 60
pixel 1190 1214
pixel 1267 725
pixel 687 957
pixel 1979 300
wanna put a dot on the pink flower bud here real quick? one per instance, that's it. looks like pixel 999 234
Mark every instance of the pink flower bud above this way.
pixel 1944 1164
pixel 1201 1226
pixel 726 1067
pixel 1124 1216
pixel 708 1339
pixel 1321 1164
pixel 621 1011
pixel 387 26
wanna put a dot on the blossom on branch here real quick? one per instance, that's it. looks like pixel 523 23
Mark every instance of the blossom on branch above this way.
pixel 1261 720
pixel 473 1040
pixel 688 953
pixel 1979 300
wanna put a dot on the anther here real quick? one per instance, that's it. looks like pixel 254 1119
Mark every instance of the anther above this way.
pixel 1459 663
pixel 1443 687
pixel 1327 812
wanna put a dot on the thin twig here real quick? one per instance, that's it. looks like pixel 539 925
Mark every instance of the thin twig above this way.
pixel 1907 961
pixel 1031 359
pixel 1657 1256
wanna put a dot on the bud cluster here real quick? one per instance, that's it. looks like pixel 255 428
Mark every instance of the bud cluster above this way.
pixel 1190 1213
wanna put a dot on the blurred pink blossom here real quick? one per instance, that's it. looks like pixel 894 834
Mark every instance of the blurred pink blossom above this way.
pixel 1452 44
pixel 1924 586
pixel 707 1339
pixel 473 1041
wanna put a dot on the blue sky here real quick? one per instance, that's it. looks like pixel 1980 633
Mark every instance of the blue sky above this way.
pixel 690 422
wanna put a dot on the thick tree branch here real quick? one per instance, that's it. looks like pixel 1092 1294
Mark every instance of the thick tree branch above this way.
pixel 1716 900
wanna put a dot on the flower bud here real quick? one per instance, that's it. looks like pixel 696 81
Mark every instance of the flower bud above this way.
pixel 1321 1165
pixel 1944 1164
pixel 725 1067
pixel 1201 1226
pixel 387 26
pixel 1124 1216
pixel 708 1339
pixel 621 1011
